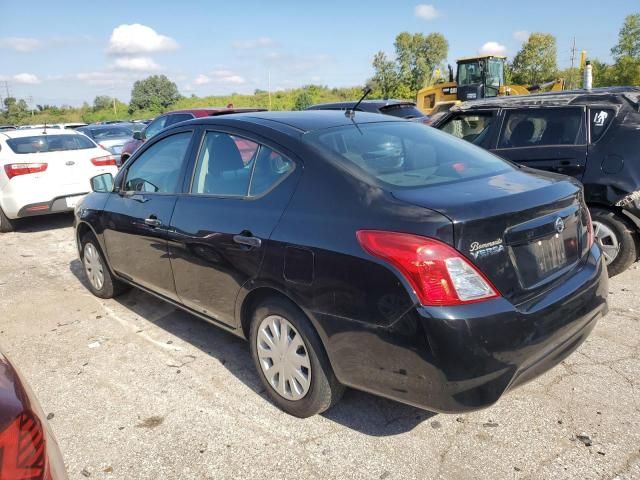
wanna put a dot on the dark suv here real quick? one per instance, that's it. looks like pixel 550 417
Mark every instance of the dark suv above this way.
pixel 592 135
pixel 171 118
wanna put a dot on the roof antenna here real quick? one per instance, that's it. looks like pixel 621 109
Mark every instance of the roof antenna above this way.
pixel 45 128
pixel 350 113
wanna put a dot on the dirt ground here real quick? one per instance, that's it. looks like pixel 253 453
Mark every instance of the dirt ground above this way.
pixel 141 390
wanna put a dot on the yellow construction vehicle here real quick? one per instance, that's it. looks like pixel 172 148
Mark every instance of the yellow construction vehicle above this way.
pixel 476 77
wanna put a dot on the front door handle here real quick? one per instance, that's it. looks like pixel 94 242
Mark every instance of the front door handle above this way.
pixel 152 221
pixel 249 241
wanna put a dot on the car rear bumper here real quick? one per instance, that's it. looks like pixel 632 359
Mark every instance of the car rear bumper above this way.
pixel 463 358
pixel 60 204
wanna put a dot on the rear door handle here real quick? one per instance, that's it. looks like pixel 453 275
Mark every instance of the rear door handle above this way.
pixel 248 241
pixel 152 221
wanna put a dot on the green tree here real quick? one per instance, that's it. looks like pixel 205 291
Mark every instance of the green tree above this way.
pixel 15 111
pixel 417 55
pixel 303 100
pixel 385 79
pixel 626 54
pixel 536 61
pixel 102 102
pixel 154 93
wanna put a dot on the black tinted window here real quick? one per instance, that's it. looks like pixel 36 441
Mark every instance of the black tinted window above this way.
pixel 178 117
pixel 271 167
pixel 49 143
pixel 402 111
pixel 600 119
pixel 405 154
pixel 158 168
pixel 546 126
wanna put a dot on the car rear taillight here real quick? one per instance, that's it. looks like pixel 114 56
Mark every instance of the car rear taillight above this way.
pixel 590 238
pixel 23 450
pixel 105 161
pixel 16 169
pixel 438 273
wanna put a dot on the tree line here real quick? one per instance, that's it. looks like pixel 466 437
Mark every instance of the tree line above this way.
pixel 417 58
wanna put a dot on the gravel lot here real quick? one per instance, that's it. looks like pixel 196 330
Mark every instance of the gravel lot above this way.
pixel 140 390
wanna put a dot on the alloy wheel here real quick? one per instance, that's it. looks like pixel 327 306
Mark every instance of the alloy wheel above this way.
pixel 607 240
pixel 283 357
pixel 93 266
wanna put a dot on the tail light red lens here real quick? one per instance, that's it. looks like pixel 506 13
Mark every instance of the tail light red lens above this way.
pixel 16 169
pixel 438 273
pixel 23 450
pixel 105 161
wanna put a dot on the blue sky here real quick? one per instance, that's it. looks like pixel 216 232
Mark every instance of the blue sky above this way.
pixel 68 52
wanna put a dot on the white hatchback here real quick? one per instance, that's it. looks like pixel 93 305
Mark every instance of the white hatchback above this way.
pixel 46 171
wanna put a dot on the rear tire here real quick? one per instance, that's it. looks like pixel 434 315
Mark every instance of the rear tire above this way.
pixel 617 238
pixel 100 280
pixel 6 224
pixel 302 357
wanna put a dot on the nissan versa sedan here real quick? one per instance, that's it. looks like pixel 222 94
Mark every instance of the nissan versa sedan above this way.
pixel 353 250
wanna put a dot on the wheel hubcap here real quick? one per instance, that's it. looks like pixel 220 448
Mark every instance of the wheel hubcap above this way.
pixel 93 266
pixel 607 240
pixel 283 357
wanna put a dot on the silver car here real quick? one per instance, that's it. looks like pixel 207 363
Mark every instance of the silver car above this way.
pixel 112 136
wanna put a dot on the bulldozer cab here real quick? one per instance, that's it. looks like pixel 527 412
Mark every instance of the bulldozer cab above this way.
pixel 480 77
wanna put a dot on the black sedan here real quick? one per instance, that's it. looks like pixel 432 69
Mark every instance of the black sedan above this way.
pixel 353 250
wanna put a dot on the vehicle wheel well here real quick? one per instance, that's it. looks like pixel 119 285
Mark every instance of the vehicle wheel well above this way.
pixel 81 231
pixel 252 300
pixel 618 211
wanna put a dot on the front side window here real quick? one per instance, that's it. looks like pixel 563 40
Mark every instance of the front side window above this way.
pixel 404 154
pixel 472 127
pixel 229 165
pixel 49 143
pixel 543 127
pixel 157 169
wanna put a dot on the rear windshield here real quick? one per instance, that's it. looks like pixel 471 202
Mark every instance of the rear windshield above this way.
pixel 402 111
pixel 410 155
pixel 111 132
pixel 49 143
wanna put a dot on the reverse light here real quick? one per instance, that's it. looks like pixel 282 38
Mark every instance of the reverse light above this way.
pixel 438 273
pixel 23 449
pixel 106 161
pixel 16 169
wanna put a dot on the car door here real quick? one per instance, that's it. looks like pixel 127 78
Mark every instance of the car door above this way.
pixel 137 216
pixel 546 138
pixel 219 230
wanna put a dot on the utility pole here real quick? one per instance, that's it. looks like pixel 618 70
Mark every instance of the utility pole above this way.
pixel 573 61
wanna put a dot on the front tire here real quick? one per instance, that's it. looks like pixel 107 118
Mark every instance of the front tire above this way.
pixel 291 360
pixel 99 278
pixel 617 239
pixel 6 224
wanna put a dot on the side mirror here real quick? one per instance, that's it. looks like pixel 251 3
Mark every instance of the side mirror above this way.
pixel 102 183
pixel 139 135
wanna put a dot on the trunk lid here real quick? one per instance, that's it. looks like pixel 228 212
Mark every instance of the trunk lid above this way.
pixel 523 229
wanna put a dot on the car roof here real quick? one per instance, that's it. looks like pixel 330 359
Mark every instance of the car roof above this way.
pixel 36 132
pixel 303 121
pixel 206 111
pixel 566 97
pixel 374 103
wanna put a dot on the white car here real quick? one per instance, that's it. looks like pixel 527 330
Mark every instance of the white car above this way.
pixel 48 172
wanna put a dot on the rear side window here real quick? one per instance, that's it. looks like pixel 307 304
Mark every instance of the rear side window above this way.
pixel 402 111
pixel 157 169
pixel 546 126
pixel 49 143
pixel 404 154
pixel 229 165
pixel 473 128
pixel 600 119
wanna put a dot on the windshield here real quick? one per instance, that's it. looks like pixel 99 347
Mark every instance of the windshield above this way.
pixel 469 73
pixel 111 132
pixel 406 110
pixel 403 154
pixel 49 143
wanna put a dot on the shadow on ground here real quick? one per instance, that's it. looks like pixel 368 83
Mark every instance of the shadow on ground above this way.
pixel 357 410
pixel 42 223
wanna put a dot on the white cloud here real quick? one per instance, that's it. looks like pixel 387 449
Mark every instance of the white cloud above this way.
pixel 136 64
pixel 220 77
pixel 20 44
pixel 492 48
pixel 26 78
pixel 426 12
pixel 261 42
pixel 135 39
pixel 521 35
